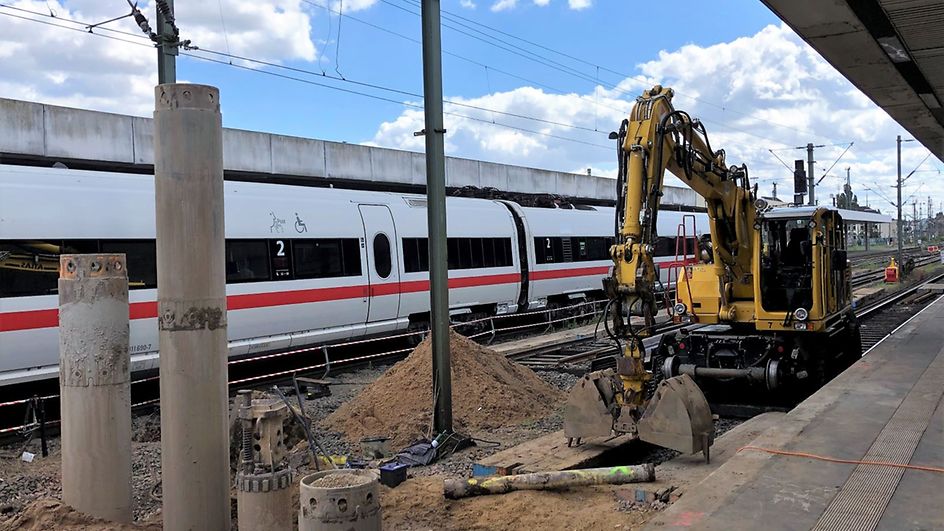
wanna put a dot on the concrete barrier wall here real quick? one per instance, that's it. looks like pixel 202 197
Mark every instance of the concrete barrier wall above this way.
pixel 47 133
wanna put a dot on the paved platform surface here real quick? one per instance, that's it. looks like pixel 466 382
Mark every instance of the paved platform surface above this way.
pixel 887 407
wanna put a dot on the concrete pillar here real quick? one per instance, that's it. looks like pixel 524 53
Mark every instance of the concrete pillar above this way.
pixel 95 385
pixel 188 179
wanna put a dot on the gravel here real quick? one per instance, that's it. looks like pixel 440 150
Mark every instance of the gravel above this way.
pixel 559 379
pixel 21 483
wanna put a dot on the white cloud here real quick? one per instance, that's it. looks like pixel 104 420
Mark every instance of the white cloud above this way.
pixel 350 6
pixel 71 68
pixel 472 134
pixel 468 4
pixel 502 5
pixel 765 91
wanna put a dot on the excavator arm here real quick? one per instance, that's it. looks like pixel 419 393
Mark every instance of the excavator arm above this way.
pixel 655 138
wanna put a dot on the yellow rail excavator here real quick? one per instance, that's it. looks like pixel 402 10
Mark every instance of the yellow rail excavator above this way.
pixel 766 309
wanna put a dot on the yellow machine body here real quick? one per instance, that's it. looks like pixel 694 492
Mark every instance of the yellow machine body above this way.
pixel 770 293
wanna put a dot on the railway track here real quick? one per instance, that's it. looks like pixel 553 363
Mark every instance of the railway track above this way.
pixel 23 407
pixel 877 320
pixel 877 275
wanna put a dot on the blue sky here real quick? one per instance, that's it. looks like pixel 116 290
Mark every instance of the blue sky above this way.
pixel 759 88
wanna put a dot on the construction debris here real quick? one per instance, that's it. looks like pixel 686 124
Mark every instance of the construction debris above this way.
pixel 617 475
pixel 488 392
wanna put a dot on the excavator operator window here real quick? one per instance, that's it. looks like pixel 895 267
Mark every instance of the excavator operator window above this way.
pixel 786 265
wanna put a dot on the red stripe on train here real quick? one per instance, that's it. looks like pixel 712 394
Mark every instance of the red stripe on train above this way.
pixel 31 319
pixel 565 273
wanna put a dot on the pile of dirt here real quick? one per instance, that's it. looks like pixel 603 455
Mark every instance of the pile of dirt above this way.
pixel 340 480
pixel 419 504
pixel 49 515
pixel 488 391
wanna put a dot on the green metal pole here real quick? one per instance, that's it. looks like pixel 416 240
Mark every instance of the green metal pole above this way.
pixel 167 49
pixel 436 211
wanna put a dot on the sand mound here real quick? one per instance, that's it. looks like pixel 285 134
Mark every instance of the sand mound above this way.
pixel 49 514
pixel 488 391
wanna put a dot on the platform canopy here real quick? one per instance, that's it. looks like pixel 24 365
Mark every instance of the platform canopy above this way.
pixel 892 50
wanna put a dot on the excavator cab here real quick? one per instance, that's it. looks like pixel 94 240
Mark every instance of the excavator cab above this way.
pixel 786 265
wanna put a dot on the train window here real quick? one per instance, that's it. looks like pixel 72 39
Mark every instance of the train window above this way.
pixel 415 255
pixel 141 256
pixel 598 248
pixel 488 251
pixel 382 262
pixel 246 261
pixel 280 256
pixel 664 246
pixel 29 268
pixel 326 257
pixel 549 249
pixel 452 253
pixel 478 252
pixel 554 249
pixel 411 255
pixel 317 258
pixel 464 253
pixel 79 246
pixel 352 257
pixel 503 256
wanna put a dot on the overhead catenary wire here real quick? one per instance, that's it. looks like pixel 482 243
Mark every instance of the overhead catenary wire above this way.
pixel 834 163
pixel 590 99
pixel 352 81
pixel 141 42
pixel 467 59
pixel 646 83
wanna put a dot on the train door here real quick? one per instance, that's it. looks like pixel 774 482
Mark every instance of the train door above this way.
pixel 383 271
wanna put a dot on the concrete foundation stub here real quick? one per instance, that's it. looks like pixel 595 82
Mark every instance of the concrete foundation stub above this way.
pixel 94 385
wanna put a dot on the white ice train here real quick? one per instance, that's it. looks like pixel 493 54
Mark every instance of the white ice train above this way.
pixel 304 265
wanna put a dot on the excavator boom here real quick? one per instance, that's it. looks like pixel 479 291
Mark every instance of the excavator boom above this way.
pixel 670 412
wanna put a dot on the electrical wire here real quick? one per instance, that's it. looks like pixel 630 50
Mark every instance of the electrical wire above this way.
pixel 926 468
pixel 446 52
pixel 332 87
pixel 834 163
pixel 452 18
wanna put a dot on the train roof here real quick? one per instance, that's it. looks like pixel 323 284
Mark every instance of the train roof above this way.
pixel 808 211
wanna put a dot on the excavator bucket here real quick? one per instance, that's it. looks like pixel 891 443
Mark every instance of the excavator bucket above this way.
pixel 678 417
pixel 590 405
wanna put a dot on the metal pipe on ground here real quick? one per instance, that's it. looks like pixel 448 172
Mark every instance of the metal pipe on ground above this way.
pixel 617 475
pixel 95 385
pixel 188 181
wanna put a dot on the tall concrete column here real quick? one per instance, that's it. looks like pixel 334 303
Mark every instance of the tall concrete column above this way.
pixel 95 385
pixel 188 179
